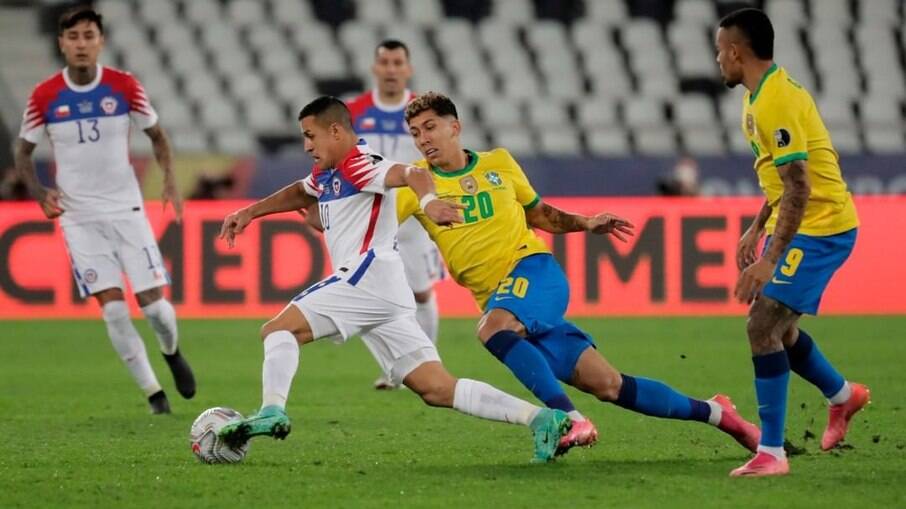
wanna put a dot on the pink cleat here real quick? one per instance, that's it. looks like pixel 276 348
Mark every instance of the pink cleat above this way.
pixel 583 434
pixel 762 465
pixel 840 415
pixel 731 423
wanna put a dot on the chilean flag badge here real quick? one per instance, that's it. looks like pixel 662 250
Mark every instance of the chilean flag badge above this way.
pixel 62 111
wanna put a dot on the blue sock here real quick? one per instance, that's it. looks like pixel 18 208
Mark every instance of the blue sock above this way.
pixel 772 377
pixel 530 367
pixel 658 399
pixel 807 361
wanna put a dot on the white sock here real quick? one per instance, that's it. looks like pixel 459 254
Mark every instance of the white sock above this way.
pixel 717 412
pixel 129 345
pixel 842 395
pixel 426 315
pixel 776 452
pixel 575 415
pixel 162 317
pixel 482 400
pixel 281 360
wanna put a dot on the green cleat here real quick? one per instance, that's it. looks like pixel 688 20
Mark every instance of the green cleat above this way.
pixel 548 427
pixel 270 421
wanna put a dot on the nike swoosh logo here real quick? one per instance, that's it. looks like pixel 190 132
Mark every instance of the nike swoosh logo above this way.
pixel 779 282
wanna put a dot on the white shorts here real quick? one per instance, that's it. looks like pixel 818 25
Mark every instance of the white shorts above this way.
pixel 337 310
pixel 421 258
pixel 101 251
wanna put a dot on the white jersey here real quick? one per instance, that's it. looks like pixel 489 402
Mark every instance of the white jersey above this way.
pixel 358 214
pixel 88 126
pixel 383 127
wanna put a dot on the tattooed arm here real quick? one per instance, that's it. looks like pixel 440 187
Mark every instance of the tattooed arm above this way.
pixel 553 220
pixel 745 248
pixel 796 190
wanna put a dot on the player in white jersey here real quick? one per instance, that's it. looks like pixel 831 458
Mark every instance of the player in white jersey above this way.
pixel 378 116
pixel 365 295
pixel 85 111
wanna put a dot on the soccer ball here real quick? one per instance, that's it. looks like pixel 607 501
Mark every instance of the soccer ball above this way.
pixel 206 445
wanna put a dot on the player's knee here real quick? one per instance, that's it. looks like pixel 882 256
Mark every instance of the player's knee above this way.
pixel 150 296
pixel 608 389
pixel 498 320
pixel 423 297
pixel 437 393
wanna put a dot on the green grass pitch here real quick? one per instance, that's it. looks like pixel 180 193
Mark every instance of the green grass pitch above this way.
pixel 77 433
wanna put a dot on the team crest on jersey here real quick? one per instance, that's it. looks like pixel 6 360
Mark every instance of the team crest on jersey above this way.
pixel 493 178
pixel 750 124
pixel 468 184
pixel 388 125
pixel 86 107
pixel 782 137
pixel 90 276
pixel 337 185
pixel 62 111
pixel 108 104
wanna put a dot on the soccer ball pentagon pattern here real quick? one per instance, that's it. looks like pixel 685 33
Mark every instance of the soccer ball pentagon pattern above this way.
pixel 206 446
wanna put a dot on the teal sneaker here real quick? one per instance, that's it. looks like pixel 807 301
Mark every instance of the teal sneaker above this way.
pixel 270 421
pixel 549 426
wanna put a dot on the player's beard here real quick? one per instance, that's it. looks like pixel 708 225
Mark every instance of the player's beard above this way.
pixel 731 83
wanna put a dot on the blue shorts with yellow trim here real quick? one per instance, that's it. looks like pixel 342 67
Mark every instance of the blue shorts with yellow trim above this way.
pixel 536 292
pixel 806 267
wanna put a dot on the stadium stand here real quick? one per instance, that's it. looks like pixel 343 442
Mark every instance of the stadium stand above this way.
pixel 593 77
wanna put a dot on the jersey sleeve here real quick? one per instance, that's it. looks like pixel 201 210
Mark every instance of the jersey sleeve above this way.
pixel 783 131
pixel 33 122
pixel 406 203
pixel 140 110
pixel 367 172
pixel 525 193
pixel 310 185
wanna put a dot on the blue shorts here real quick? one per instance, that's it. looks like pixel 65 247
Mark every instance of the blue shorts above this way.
pixel 536 292
pixel 806 268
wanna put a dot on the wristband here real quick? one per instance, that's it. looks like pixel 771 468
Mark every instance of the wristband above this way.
pixel 426 199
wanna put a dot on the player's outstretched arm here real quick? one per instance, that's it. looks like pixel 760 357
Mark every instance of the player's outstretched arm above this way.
pixel 796 190
pixel 164 156
pixel 553 220
pixel 291 197
pixel 441 212
pixel 748 243
pixel 49 199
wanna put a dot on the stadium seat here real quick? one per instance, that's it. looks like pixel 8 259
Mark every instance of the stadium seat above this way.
pixel 703 140
pixel 607 12
pixel 548 113
pixel 244 13
pixel 382 11
pixel 655 141
pixel 500 112
pixel 189 141
pixel 693 111
pixel 880 111
pixel 234 141
pixel 290 12
pixel 608 141
pixel 422 12
pixel 596 112
pixel 846 139
pixel 201 12
pixel 517 140
pixel 561 141
pixel 699 12
pixel 884 140
pixel 639 112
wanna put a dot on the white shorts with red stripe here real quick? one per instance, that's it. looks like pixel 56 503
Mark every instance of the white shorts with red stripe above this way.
pixel 340 307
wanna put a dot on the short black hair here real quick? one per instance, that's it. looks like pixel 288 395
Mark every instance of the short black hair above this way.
pixel 392 44
pixel 757 28
pixel 73 16
pixel 431 101
pixel 328 109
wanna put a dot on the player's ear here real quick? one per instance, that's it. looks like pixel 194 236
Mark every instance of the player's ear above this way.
pixel 456 126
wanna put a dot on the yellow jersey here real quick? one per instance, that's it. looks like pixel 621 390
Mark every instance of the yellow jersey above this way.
pixel 782 124
pixel 494 234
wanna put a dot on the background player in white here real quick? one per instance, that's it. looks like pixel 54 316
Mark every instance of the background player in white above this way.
pixel 378 116
pixel 365 294
pixel 85 110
